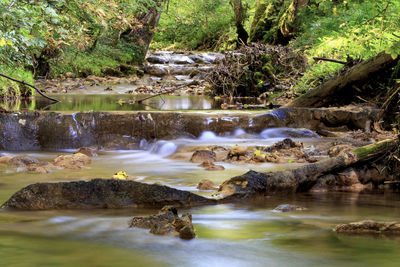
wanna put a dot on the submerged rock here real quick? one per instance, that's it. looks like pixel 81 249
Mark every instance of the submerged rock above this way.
pixel 166 222
pixel 210 166
pixel 100 193
pixel 369 227
pixel 288 133
pixel 203 155
pixel 74 161
pixel 288 208
pixel 42 167
pixel 206 184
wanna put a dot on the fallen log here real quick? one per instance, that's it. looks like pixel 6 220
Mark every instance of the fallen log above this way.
pixel 303 178
pixel 323 94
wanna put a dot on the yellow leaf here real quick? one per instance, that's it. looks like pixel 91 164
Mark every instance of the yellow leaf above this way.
pixel 3 42
pixel 121 175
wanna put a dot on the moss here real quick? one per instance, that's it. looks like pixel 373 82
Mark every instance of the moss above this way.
pixel 105 59
pixel 375 149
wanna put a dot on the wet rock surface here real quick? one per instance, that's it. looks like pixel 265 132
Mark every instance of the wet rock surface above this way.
pixel 203 156
pixel 35 131
pixel 74 161
pixel 88 151
pixel 289 208
pixel 369 227
pixel 5 159
pixel 22 161
pixel 210 166
pixel 206 184
pixel 166 222
pixel 101 193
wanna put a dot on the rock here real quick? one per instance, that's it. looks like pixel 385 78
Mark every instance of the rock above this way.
pixel 74 161
pixel 90 152
pixel 5 159
pixel 206 184
pixel 250 183
pixel 198 59
pixel 210 166
pixel 200 156
pixel 237 151
pixel 101 193
pixel 259 158
pixel 288 208
pixel 369 227
pixel 42 167
pixel 166 222
pixel 157 59
pixel 69 75
pixel 22 161
pixel 285 144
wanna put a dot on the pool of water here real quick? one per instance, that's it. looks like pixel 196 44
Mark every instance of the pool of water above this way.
pixel 242 234
pixel 120 102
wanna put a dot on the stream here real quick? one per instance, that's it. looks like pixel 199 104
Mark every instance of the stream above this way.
pixel 242 234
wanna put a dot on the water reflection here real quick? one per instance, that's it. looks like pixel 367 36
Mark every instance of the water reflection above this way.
pixel 121 102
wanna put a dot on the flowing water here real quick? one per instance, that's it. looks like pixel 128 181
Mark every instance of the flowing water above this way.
pixel 243 234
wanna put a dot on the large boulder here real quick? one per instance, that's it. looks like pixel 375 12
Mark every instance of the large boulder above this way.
pixel 101 193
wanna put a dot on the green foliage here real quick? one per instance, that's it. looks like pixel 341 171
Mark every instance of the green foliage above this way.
pixel 104 56
pixel 336 29
pixel 193 23
pixel 34 34
pixel 12 89
pixel 196 24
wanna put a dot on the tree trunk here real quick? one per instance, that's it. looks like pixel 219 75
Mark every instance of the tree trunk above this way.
pixel 303 178
pixel 143 35
pixel 274 20
pixel 323 94
pixel 240 15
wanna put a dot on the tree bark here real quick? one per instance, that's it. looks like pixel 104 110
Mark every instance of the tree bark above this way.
pixel 143 35
pixel 323 94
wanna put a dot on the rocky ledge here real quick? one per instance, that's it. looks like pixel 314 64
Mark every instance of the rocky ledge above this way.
pixel 101 193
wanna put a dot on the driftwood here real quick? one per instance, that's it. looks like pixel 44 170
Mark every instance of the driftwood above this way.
pixel 323 94
pixel 27 84
pixel 303 178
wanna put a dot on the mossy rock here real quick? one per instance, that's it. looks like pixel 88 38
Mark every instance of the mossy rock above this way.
pixel 128 69
pixel 112 72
